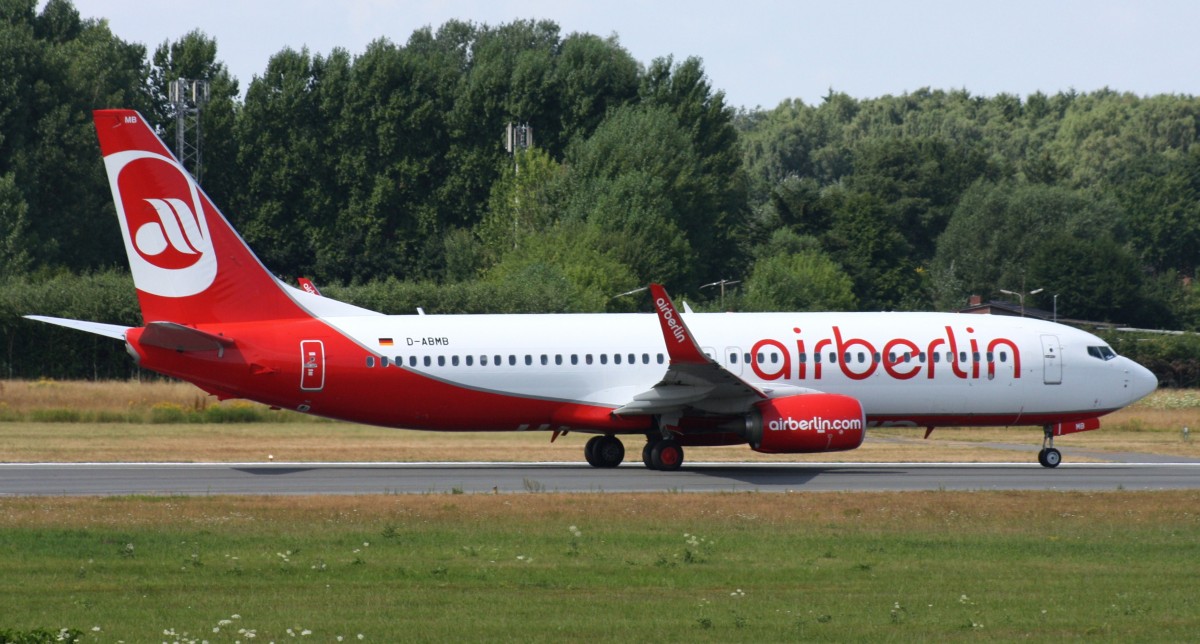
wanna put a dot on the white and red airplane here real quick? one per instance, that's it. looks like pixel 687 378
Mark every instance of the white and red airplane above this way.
pixel 781 382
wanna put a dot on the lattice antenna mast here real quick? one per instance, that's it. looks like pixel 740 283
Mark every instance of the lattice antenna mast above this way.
pixel 188 97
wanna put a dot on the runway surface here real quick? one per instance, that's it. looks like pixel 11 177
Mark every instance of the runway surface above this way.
pixel 106 479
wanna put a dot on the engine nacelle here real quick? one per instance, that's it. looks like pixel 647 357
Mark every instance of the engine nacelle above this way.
pixel 805 424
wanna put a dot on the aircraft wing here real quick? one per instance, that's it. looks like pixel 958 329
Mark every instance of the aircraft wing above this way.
pixel 694 381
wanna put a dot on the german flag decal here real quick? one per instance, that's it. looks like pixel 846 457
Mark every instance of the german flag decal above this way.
pixel 385 342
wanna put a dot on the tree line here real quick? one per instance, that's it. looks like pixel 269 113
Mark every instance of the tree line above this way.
pixel 384 176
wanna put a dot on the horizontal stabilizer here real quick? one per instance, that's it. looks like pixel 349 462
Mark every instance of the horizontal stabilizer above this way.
pixel 114 331
pixel 177 337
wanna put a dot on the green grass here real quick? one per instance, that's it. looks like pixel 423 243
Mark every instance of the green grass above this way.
pixel 539 567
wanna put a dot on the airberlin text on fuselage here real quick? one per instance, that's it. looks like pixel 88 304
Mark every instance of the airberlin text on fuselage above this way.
pixel 890 356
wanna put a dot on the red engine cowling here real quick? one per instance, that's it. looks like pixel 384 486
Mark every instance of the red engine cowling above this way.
pixel 806 423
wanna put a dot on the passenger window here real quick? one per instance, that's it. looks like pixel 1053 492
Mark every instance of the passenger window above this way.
pixel 962 356
pixel 483 360
pixel 441 361
pixel 370 362
pixel 512 360
pixel 1003 356
pixel 846 358
pixel 528 360
pixel 660 358
pixel 588 358
pixel 937 357
pixel 574 358
pixel 803 358
pixel 428 361
pixel 774 357
pixel 632 359
pixel 558 358
pixel 832 358
pixel 545 359
pixel 817 358
pixel 862 357
pixel 991 357
pixel 616 358
pixel 746 358
pixel 733 358
pixel 603 358
pixel 412 361
pixel 645 358
pixel 454 360
pixel 383 361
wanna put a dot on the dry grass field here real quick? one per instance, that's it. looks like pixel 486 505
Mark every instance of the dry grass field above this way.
pixel 170 421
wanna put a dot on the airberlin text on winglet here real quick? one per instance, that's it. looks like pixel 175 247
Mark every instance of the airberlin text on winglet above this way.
pixel 668 314
pixel 898 357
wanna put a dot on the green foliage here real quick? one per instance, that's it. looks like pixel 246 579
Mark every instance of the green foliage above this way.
pixel 997 229
pixel 803 281
pixel 386 170
pixel 31 349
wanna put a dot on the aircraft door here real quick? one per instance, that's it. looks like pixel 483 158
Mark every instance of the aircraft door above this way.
pixel 312 365
pixel 1051 360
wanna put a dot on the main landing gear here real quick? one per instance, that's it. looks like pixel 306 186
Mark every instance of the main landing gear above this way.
pixel 604 451
pixel 665 454
pixel 1049 457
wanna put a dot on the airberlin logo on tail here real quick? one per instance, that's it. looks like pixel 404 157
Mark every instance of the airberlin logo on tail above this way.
pixel 163 222
pixel 177 229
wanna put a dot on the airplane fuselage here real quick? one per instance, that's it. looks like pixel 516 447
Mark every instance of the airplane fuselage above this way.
pixel 512 372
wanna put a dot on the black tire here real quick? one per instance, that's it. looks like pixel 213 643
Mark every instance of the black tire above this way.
pixel 1052 458
pixel 667 456
pixel 609 451
pixel 1042 458
pixel 647 456
pixel 589 451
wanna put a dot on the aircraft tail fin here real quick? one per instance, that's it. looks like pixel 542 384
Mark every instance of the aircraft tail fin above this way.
pixel 188 263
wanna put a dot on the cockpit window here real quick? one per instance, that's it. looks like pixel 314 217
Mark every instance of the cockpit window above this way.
pixel 1102 352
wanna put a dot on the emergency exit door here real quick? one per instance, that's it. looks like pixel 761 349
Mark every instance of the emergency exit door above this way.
pixel 312 365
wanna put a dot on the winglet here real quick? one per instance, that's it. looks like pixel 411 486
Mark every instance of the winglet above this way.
pixel 681 346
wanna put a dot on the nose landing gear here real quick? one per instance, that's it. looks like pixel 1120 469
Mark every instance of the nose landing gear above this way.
pixel 1049 457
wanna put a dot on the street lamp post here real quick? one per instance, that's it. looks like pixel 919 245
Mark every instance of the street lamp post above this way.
pixel 722 283
pixel 1021 296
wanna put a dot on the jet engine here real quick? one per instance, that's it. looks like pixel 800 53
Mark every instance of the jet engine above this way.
pixel 805 423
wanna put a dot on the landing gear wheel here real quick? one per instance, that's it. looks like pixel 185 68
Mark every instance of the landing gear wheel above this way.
pixel 604 451
pixel 666 455
pixel 589 451
pixel 1049 457
pixel 647 459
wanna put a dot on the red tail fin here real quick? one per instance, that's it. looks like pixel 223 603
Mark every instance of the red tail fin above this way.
pixel 188 263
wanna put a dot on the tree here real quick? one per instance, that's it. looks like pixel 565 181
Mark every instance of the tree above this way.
pixel 793 274
pixel 998 227
pixel 1097 279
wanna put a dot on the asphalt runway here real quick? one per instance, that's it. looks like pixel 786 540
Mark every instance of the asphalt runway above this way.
pixel 108 479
